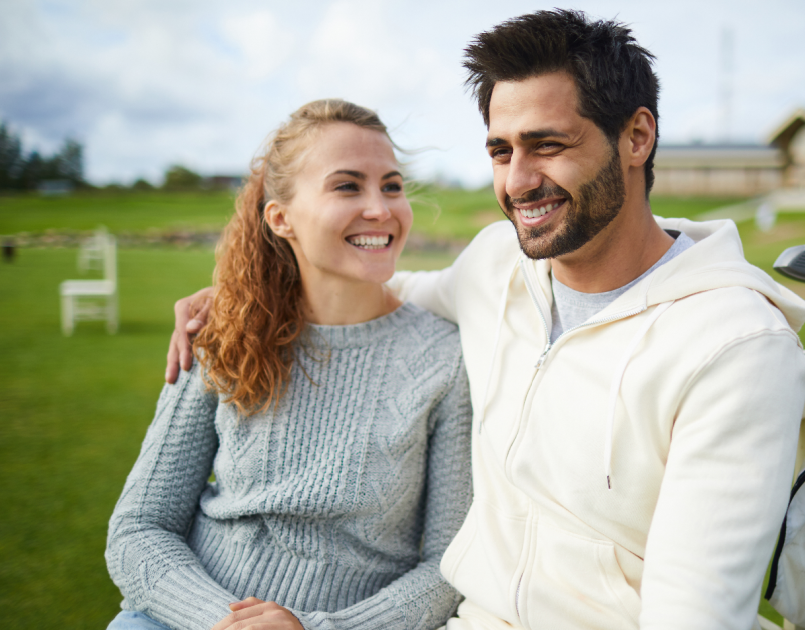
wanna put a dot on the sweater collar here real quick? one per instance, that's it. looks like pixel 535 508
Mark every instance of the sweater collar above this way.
pixel 363 334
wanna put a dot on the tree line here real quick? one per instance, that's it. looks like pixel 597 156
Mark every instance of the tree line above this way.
pixel 26 171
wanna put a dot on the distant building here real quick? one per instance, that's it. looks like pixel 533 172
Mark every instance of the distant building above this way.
pixel 734 169
pixel 223 182
pixel 55 187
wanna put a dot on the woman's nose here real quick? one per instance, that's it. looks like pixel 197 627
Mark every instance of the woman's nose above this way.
pixel 377 209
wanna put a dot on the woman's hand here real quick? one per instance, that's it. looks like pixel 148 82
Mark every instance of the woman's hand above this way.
pixel 255 614
pixel 191 315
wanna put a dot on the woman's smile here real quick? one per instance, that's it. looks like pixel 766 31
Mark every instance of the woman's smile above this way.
pixel 371 241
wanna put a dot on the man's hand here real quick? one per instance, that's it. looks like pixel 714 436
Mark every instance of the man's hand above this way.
pixel 191 315
pixel 255 614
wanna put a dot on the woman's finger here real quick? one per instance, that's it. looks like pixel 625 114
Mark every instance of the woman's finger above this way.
pixel 259 614
pixel 172 370
pixel 246 603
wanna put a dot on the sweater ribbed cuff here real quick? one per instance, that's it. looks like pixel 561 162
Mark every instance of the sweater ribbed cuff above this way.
pixel 208 604
pixel 376 612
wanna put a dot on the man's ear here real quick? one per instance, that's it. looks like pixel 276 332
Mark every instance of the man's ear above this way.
pixel 640 133
pixel 276 217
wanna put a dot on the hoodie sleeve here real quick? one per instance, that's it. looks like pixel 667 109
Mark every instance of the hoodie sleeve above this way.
pixel 437 291
pixel 726 486
pixel 432 290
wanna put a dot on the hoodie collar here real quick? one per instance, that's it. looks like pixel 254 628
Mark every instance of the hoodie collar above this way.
pixel 715 261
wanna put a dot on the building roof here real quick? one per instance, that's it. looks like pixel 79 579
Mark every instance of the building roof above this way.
pixel 784 134
pixel 718 156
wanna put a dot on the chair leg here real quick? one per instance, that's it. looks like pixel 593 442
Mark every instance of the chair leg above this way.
pixel 111 314
pixel 67 315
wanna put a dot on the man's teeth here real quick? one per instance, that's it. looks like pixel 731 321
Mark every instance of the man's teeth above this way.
pixel 370 242
pixel 538 212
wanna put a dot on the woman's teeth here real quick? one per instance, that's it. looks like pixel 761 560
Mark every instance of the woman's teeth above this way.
pixel 538 212
pixel 369 242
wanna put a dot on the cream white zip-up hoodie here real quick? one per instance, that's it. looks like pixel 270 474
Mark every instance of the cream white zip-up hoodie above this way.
pixel 634 473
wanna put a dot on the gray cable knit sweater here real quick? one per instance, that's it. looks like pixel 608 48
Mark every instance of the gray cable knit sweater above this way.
pixel 338 504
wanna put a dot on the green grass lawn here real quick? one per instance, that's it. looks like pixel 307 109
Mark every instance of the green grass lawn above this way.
pixel 122 211
pixel 74 410
pixel 441 213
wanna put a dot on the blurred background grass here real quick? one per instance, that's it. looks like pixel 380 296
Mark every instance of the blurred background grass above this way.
pixel 74 410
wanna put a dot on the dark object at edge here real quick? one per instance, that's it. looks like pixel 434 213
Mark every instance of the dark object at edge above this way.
pixel 791 263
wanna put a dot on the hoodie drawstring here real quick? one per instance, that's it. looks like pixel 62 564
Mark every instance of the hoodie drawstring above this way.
pixel 501 313
pixel 616 385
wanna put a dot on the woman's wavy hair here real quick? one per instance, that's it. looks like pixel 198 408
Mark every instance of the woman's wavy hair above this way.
pixel 247 347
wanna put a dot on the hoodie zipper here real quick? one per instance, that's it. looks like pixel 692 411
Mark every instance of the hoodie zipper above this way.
pixel 593 322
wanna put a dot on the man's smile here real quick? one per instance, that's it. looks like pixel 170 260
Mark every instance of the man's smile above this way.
pixel 534 213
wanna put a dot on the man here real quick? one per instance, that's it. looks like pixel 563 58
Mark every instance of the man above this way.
pixel 637 386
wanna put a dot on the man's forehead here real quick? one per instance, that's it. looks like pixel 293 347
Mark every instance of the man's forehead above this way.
pixel 541 102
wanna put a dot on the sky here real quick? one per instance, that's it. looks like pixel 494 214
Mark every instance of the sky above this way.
pixel 144 84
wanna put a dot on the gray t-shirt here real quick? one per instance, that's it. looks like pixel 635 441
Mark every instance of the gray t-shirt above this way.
pixel 572 308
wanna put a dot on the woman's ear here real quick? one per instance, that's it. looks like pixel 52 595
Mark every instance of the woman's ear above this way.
pixel 276 217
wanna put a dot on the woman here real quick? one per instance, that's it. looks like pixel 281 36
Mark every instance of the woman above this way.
pixel 336 420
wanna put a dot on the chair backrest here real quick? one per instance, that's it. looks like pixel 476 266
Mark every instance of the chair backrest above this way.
pixel 92 254
pixel 110 258
pixel 100 252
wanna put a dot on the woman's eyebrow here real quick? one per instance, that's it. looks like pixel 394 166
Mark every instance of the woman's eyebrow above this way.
pixel 355 174
pixel 362 176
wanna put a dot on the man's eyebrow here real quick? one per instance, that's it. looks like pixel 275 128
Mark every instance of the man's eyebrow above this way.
pixel 526 136
pixel 542 133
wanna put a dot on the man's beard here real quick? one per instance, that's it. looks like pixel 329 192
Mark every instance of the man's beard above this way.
pixel 597 203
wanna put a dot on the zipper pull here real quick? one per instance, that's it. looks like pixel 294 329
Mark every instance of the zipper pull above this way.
pixel 542 357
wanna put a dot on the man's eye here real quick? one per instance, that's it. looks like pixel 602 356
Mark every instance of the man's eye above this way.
pixel 549 147
pixel 502 152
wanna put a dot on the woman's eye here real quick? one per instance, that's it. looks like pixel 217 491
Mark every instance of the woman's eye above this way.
pixel 347 186
pixel 393 187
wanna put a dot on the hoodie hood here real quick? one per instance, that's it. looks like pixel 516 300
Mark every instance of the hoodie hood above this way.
pixel 716 261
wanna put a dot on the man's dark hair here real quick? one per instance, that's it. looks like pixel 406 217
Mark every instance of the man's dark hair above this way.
pixel 612 72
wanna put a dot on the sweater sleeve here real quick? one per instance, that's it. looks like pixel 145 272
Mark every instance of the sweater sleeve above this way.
pixel 422 598
pixel 725 488
pixel 146 552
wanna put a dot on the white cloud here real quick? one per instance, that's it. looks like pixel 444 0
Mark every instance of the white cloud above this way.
pixel 145 83
pixel 263 43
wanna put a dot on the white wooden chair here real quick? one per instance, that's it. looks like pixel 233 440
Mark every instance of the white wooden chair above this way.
pixel 83 300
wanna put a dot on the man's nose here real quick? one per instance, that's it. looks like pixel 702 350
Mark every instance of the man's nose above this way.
pixel 524 174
